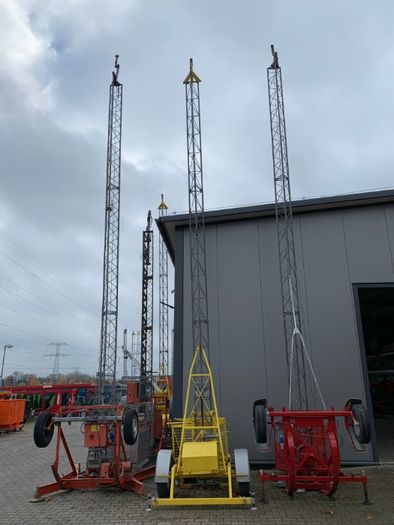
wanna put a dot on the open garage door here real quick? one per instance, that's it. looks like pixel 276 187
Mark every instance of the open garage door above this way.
pixel 376 308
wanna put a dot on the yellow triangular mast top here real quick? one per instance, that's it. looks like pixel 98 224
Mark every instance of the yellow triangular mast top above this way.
pixel 191 76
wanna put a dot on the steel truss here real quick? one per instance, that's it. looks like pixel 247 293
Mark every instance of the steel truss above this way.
pixel 109 315
pixel 163 298
pixel 200 333
pixel 284 220
pixel 146 364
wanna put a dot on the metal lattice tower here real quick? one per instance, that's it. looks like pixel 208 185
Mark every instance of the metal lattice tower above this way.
pixel 197 230
pixel 109 316
pixel 146 364
pixel 163 298
pixel 284 220
pixel 56 361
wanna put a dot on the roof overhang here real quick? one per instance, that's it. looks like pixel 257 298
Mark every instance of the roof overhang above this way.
pixel 169 224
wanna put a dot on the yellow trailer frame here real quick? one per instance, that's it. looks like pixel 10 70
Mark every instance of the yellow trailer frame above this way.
pixel 200 447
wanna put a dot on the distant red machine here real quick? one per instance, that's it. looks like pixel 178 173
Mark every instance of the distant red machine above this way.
pixel 52 397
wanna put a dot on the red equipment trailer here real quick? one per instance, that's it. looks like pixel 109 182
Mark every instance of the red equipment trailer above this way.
pixel 63 394
pixel 108 463
pixel 112 434
pixel 306 445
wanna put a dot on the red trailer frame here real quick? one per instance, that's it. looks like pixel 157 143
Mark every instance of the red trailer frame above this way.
pixel 307 450
pixel 71 389
pixel 115 473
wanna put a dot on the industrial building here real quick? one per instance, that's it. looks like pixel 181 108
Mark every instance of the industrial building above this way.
pixel 345 266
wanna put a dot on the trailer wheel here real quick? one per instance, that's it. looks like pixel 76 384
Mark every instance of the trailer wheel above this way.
pixel 163 472
pixel 260 424
pixel 362 428
pixel 163 490
pixel 244 488
pixel 43 430
pixel 242 471
pixel 130 426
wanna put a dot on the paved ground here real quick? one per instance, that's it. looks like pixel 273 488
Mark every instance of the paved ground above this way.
pixel 23 466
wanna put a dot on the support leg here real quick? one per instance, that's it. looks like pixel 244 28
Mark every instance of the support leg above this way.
pixel 262 493
pixel 366 498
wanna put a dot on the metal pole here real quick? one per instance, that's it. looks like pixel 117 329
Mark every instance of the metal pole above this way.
pixel 2 364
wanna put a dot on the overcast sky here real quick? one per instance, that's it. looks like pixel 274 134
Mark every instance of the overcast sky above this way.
pixel 55 68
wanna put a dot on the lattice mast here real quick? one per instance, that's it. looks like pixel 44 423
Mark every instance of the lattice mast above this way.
pixel 284 221
pixel 163 298
pixel 146 363
pixel 56 361
pixel 202 387
pixel 109 314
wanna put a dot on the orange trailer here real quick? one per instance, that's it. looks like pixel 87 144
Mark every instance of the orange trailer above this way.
pixel 12 413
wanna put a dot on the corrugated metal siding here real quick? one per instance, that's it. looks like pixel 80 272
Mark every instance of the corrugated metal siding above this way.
pixel 334 250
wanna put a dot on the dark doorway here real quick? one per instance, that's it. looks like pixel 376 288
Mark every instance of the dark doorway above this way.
pixel 377 320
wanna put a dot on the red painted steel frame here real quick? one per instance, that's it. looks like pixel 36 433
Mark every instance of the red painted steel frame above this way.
pixel 116 474
pixel 50 389
pixel 71 389
pixel 307 450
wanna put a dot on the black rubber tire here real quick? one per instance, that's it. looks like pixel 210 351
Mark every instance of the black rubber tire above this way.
pixel 244 488
pixel 260 424
pixel 42 434
pixel 362 428
pixel 130 426
pixel 163 490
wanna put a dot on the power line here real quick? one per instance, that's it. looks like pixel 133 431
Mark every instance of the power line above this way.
pixel 25 331
pixel 47 339
pixel 30 258
pixel 43 322
pixel 43 308
pixel 42 367
pixel 84 351
pixel 7 336
pixel 46 283
pixel 45 300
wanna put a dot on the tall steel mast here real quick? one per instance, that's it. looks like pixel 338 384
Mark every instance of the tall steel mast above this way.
pixel 109 314
pixel 284 221
pixel 146 364
pixel 163 298
pixel 200 335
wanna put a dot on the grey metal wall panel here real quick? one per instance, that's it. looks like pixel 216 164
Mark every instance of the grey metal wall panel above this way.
pixel 388 211
pixel 371 258
pixel 272 362
pixel 240 326
pixel 335 249
pixel 178 326
pixel 332 323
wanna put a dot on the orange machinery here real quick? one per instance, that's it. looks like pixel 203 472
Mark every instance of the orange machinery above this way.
pixel 12 412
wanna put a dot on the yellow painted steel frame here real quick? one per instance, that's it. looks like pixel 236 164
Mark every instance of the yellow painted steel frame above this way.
pixel 201 424
pixel 163 394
